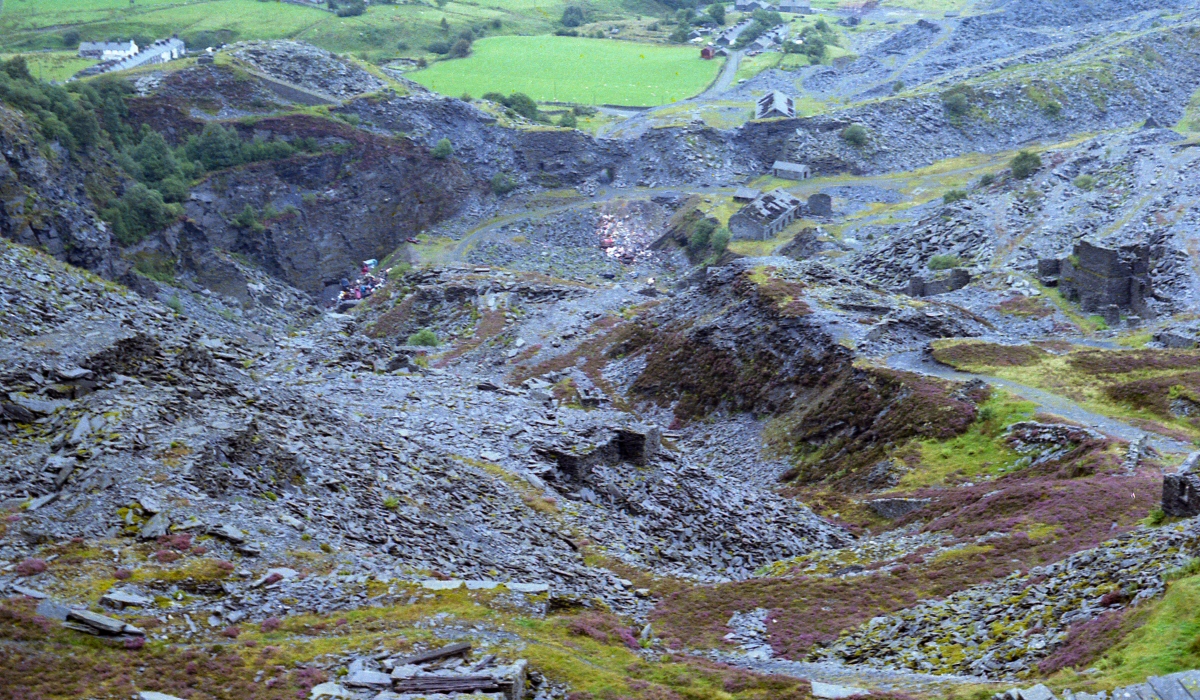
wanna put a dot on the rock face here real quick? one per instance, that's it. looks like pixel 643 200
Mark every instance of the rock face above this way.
pixel 43 201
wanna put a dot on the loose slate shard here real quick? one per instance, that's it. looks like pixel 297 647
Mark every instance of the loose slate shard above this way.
pixel 461 648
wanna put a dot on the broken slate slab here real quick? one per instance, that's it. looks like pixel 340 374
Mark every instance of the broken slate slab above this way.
pixel 155 527
pixel 28 592
pixel 152 695
pixel 528 587
pixel 329 690
pixel 435 585
pixel 835 692
pixel 82 429
pixel 41 501
pixel 368 679
pixel 227 532
pixel 100 623
pixel 53 611
pixel 120 599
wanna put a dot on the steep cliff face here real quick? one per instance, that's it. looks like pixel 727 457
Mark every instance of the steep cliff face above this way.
pixel 44 201
pixel 358 196
pixel 357 199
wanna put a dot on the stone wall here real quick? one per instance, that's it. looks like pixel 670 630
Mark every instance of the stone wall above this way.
pixel 921 287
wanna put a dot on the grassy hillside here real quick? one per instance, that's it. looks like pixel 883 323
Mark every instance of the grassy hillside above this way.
pixel 384 31
pixel 568 69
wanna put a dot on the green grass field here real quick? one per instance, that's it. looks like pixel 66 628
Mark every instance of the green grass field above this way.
pixel 383 32
pixel 567 69
pixel 55 65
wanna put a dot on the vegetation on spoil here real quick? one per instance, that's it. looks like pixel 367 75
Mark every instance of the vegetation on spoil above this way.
pixel 591 651
pixel 1031 521
pixel 91 121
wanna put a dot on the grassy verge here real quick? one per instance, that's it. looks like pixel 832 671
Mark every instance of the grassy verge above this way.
pixel 1163 637
pixel 1153 389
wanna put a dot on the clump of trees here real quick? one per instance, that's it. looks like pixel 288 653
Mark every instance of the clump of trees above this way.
pixel 93 116
pixel 957 101
pixel 707 240
pixel 815 41
pixel 503 183
pixel 518 103
pixel 717 12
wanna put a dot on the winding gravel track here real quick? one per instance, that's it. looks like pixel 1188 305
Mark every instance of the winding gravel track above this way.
pixel 919 362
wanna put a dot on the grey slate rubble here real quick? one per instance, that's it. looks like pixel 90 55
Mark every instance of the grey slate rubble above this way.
pixel 1022 617
pixel 1184 685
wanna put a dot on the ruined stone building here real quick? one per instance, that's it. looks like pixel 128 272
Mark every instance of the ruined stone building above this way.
pixel 1105 281
pixel 766 216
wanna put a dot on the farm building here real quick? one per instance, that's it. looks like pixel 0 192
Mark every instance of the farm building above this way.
pixel 731 35
pixel 774 104
pixel 745 194
pixel 161 51
pixel 706 53
pixel 765 217
pixel 107 50
pixel 795 7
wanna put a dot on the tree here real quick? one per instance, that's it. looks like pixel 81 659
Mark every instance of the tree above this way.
pixel 1025 164
pixel 461 49
pixel 717 12
pixel 424 337
pixel 572 16
pixel 215 148
pixel 138 213
pixel 442 150
pixel 568 120
pixel 154 157
pixel 720 241
pixel 247 218
pixel 814 48
pixel 956 103
pixel 855 135
pixel 954 196
pixel 503 183
pixel 70 38
pixel 701 235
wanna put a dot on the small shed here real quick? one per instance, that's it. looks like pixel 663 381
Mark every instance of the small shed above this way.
pixel 745 194
pixel 706 53
pixel 791 171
